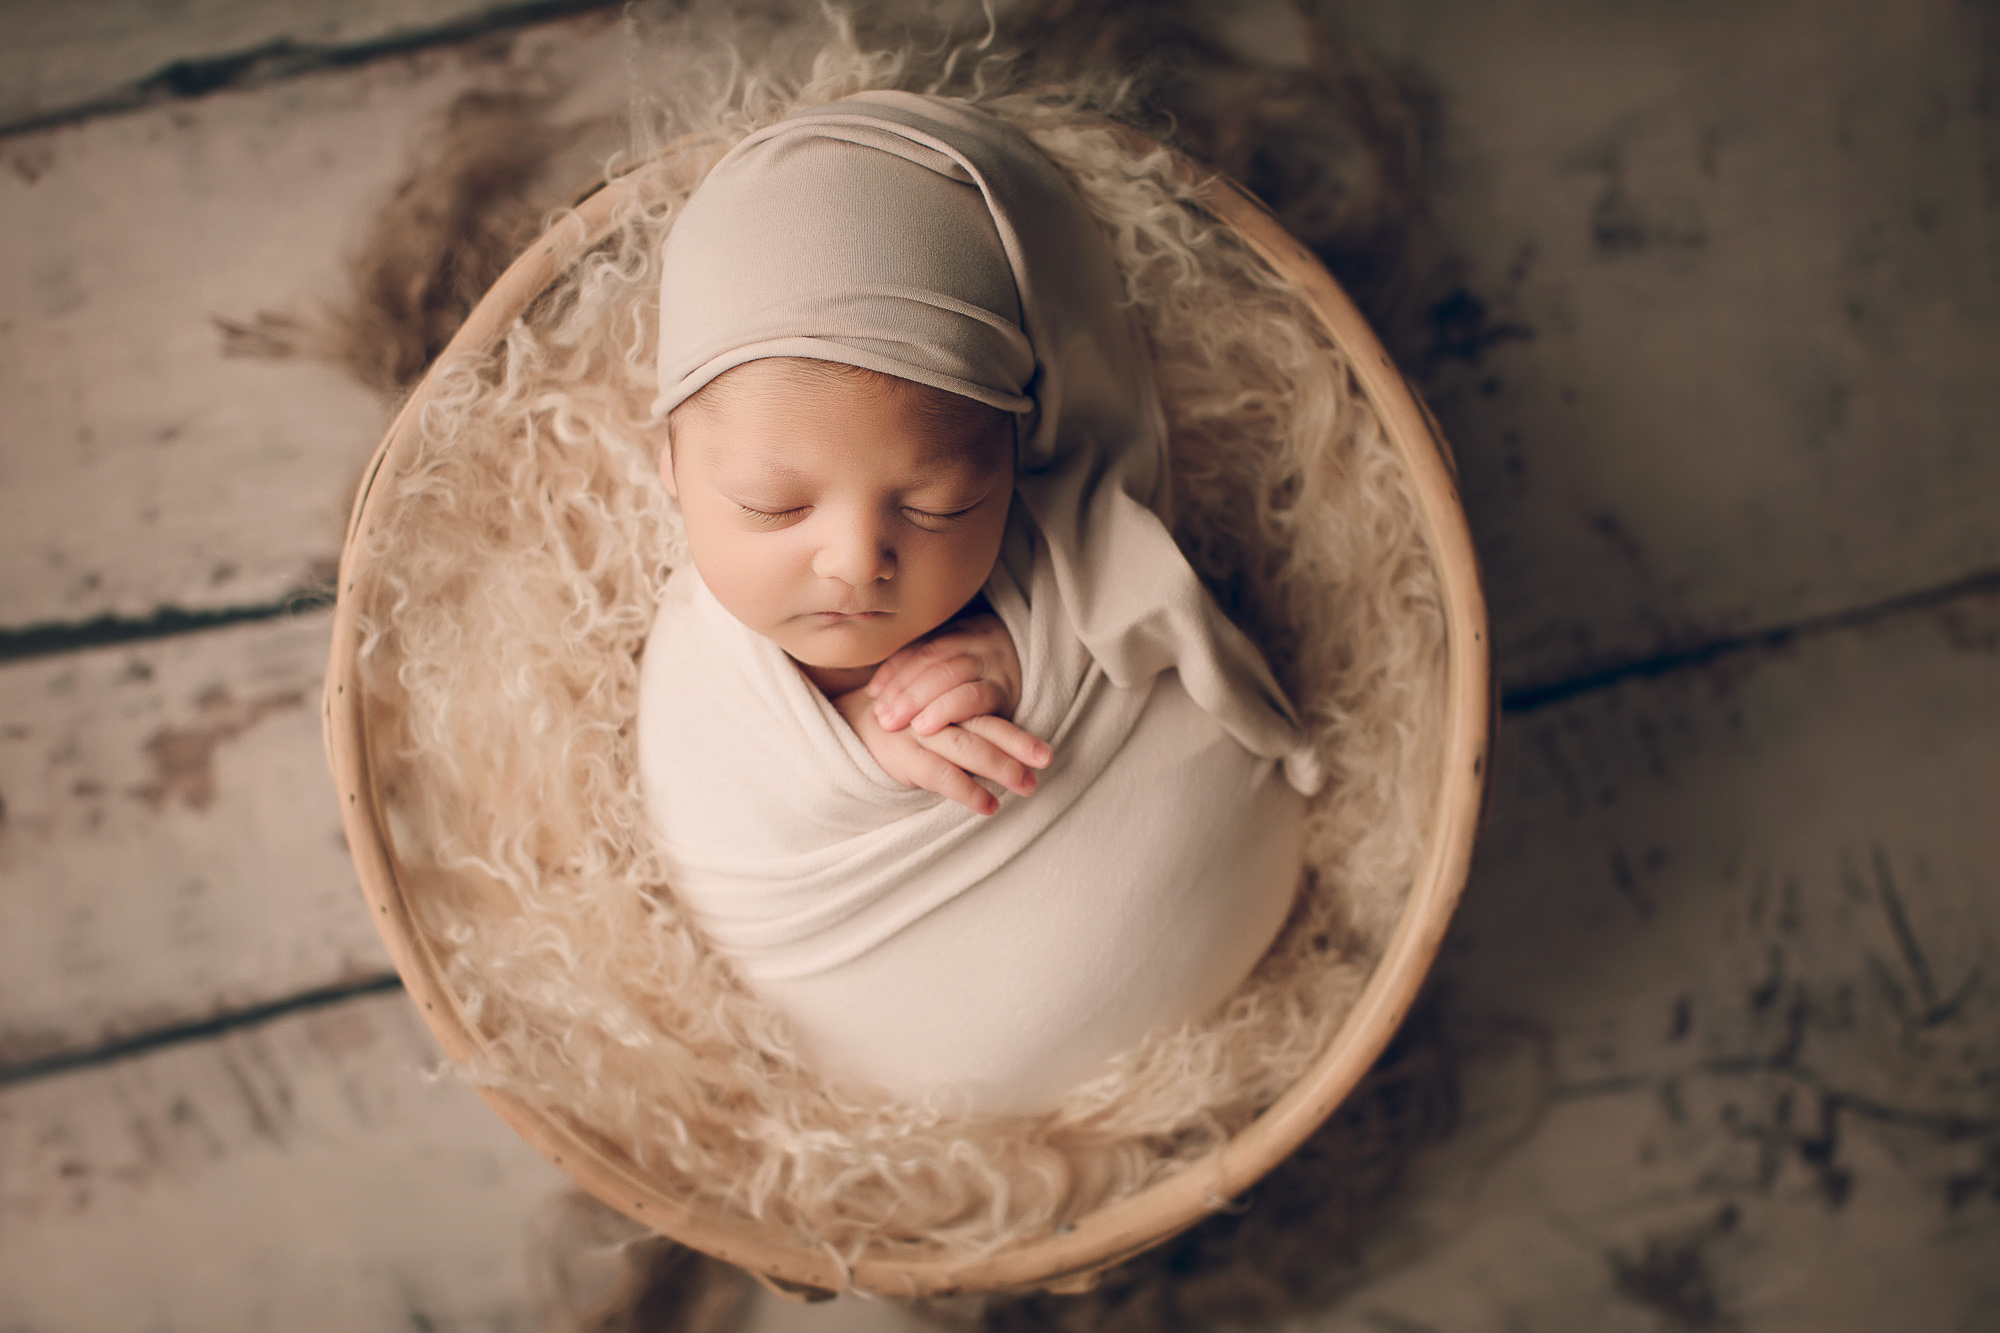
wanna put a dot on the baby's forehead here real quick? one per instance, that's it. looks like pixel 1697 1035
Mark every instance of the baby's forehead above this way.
pixel 791 458
pixel 765 407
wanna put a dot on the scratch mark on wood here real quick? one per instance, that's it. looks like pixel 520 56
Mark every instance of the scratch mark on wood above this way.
pixel 1934 1008
pixel 184 1112
pixel 262 1122
pixel 1682 1021
pixel 1672 1275
pixel 1787 1108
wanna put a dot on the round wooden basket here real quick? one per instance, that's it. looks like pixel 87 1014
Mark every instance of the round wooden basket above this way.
pixel 1069 1261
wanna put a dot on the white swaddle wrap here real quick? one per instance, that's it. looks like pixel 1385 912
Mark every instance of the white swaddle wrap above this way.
pixel 914 943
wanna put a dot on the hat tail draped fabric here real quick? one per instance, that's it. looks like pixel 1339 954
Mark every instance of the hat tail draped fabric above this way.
pixel 919 237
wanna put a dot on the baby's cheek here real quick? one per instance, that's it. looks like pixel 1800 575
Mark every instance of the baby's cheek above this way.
pixel 730 579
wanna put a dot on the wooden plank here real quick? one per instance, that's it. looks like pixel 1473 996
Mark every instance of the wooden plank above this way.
pixel 1651 847
pixel 1721 353
pixel 170 844
pixel 140 467
pixel 1750 918
pixel 304 1174
pixel 1668 432
pixel 63 57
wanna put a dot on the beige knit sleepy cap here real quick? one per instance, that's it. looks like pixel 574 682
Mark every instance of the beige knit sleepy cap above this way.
pixel 921 237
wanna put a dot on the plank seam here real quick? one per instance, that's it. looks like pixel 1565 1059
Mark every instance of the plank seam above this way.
pixel 46 640
pixel 283 58
pixel 144 1043
pixel 52 637
pixel 1528 699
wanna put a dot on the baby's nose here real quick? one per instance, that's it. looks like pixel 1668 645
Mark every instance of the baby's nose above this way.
pixel 859 555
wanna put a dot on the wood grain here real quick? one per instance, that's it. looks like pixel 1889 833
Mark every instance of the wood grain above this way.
pixel 1716 325
pixel 170 845
pixel 140 466
pixel 1730 967
pixel 300 1175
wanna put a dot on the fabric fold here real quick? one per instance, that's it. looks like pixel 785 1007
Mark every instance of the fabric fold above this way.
pixel 922 947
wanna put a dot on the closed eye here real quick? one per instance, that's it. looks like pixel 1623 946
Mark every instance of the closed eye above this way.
pixel 769 517
pixel 928 517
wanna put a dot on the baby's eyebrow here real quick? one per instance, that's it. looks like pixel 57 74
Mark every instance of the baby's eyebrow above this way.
pixel 715 455
pixel 956 460
pixel 962 474
pixel 941 465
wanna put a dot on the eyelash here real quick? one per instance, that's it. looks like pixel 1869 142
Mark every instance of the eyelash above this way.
pixel 773 517
pixel 950 518
pixel 764 516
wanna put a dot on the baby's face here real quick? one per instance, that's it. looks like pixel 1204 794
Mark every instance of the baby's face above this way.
pixel 833 514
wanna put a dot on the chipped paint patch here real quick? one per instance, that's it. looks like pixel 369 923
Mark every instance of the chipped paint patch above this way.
pixel 184 757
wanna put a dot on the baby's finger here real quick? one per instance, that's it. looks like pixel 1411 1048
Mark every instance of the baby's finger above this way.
pixel 1004 735
pixel 966 638
pixel 975 754
pixel 892 668
pixel 953 783
pixel 906 664
pixel 897 705
pixel 910 657
pixel 961 703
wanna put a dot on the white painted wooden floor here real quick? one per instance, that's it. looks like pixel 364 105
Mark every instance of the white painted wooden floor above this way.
pixel 1718 341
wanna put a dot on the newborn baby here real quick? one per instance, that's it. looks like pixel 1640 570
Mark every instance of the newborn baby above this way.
pixel 892 497
pixel 949 749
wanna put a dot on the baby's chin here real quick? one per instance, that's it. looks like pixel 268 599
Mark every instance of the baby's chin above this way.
pixel 844 645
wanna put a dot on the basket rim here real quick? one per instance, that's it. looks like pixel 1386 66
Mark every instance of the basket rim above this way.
pixel 1068 1261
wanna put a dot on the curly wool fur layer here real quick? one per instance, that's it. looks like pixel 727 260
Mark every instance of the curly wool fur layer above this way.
pixel 511 579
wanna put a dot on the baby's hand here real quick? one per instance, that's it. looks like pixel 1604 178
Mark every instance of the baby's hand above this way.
pixel 946 761
pixel 962 670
